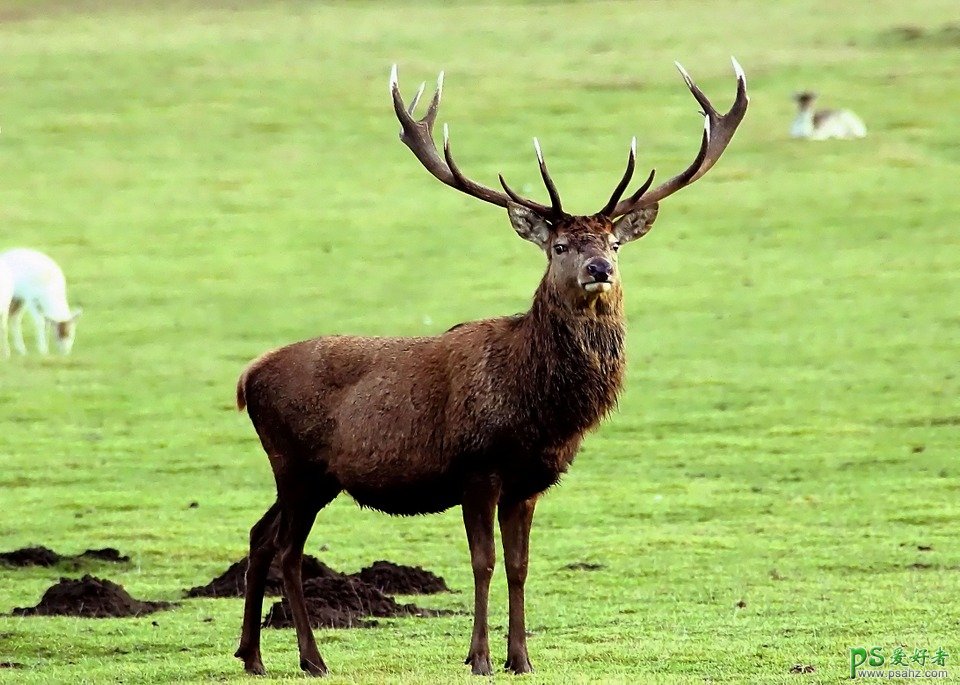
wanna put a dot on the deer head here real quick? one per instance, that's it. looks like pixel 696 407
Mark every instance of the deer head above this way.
pixel 581 249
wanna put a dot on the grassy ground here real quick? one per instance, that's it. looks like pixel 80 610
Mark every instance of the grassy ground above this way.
pixel 220 180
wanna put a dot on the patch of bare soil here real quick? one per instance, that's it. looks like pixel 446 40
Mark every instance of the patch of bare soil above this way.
pixel 395 579
pixel 584 566
pixel 91 598
pixel 231 582
pixel 44 556
pixel 947 35
pixel 343 602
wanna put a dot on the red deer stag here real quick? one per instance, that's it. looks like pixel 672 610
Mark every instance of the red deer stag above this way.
pixel 486 416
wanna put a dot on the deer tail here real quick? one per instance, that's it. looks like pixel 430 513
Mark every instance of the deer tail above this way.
pixel 242 390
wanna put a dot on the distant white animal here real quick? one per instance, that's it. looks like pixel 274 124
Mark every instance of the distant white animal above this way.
pixel 6 299
pixel 825 123
pixel 40 289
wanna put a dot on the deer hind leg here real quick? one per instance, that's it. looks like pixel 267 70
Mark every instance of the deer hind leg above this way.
pixel 515 521
pixel 263 547
pixel 478 508
pixel 299 505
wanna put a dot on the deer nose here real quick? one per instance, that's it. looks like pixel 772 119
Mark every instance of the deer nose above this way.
pixel 600 269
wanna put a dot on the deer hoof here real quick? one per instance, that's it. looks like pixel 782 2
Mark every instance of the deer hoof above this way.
pixel 255 668
pixel 518 664
pixel 479 664
pixel 252 663
pixel 315 667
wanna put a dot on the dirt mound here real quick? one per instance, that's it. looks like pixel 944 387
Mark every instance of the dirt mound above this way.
pixel 104 554
pixel 44 556
pixel 394 579
pixel 335 600
pixel 30 556
pixel 231 582
pixel 343 602
pixel 89 597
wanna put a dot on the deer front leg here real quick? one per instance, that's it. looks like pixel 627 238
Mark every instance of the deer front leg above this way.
pixel 515 520
pixel 478 506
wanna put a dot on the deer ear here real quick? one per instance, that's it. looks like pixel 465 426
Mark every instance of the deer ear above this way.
pixel 635 224
pixel 528 224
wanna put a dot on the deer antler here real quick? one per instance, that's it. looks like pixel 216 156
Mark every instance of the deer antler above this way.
pixel 418 136
pixel 718 130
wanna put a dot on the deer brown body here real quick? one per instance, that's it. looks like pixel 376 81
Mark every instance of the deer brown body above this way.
pixel 486 416
pixel 507 412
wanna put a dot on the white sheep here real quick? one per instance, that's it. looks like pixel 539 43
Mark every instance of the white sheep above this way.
pixel 823 124
pixel 40 289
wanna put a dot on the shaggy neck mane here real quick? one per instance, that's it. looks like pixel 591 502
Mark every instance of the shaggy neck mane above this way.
pixel 572 356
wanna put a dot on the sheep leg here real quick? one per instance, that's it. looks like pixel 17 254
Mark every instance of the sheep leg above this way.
pixel 515 521
pixel 16 326
pixel 4 341
pixel 478 507
pixel 263 547
pixel 40 327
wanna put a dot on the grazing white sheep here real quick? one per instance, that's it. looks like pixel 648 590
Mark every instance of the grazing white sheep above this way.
pixel 40 289
pixel 6 299
pixel 824 123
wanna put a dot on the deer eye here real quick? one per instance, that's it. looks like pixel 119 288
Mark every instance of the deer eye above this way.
pixel 559 248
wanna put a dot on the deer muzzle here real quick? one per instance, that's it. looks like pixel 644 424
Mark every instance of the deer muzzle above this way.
pixel 599 275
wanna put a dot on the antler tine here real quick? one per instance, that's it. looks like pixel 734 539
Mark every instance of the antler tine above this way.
pixel 627 175
pixel 718 130
pixel 404 114
pixel 513 195
pixel 547 181
pixel 431 116
pixel 637 194
pixel 416 98
pixel 418 136
pixel 697 93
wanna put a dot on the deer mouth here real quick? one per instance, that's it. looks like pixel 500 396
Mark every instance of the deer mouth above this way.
pixel 597 286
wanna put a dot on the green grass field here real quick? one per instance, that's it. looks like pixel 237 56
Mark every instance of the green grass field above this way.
pixel 219 180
